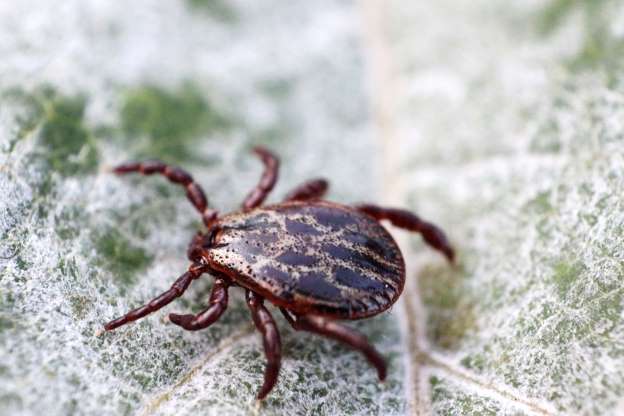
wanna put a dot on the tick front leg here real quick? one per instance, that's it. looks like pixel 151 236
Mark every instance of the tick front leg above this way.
pixel 267 181
pixel 218 303
pixel 272 344
pixel 401 218
pixel 346 335
pixel 194 191
pixel 312 189
pixel 176 290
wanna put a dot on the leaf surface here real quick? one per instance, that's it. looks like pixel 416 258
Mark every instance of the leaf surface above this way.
pixel 486 118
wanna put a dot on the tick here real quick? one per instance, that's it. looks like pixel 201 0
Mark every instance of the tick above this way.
pixel 319 262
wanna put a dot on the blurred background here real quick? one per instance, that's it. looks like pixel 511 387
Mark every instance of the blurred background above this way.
pixel 500 122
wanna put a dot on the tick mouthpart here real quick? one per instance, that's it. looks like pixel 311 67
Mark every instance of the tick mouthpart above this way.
pixel 209 216
pixel 209 237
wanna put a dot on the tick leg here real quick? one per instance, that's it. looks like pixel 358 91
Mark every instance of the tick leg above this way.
pixel 272 345
pixel 267 181
pixel 194 191
pixel 165 298
pixel 218 302
pixel 312 189
pixel 346 335
pixel 195 248
pixel 401 218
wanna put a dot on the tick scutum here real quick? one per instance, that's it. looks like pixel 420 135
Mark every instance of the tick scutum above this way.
pixel 317 256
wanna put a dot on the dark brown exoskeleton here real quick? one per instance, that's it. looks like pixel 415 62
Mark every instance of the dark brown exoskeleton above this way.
pixel 317 261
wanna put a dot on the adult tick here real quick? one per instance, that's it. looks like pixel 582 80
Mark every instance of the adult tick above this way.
pixel 317 261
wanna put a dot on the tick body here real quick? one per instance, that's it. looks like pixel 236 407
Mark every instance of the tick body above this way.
pixel 311 257
pixel 319 262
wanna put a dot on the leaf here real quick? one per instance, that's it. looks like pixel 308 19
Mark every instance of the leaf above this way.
pixel 520 156
pixel 488 125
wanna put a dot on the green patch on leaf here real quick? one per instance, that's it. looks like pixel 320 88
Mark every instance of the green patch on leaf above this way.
pixel 120 256
pixel 67 145
pixel 80 305
pixel 166 124
pixel 547 139
pixel 10 400
pixel 476 362
pixel 68 222
pixel 541 204
pixel 554 13
pixel 29 111
pixel 453 314
pixel 601 47
pixel 271 136
pixel 277 88
pixel 67 267
pixel 219 9
pixel 6 323
pixel 70 149
pixel 564 275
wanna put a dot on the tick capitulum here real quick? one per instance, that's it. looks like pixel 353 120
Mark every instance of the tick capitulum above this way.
pixel 317 261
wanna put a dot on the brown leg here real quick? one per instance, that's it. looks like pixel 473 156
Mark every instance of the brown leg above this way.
pixel 165 298
pixel 272 345
pixel 195 249
pixel 433 235
pixel 267 181
pixel 194 192
pixel 218 302
pixel 312 189
pixel 346 335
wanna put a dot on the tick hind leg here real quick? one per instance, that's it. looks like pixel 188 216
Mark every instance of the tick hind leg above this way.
pixel 346 335
pixel 194 191
pixel 176 290
pixel 218 303
pixel 401 218
pixel 271 167
pixel 312 189
pixel 271 338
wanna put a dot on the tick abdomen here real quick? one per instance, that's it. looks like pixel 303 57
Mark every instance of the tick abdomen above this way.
pixel 312 256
